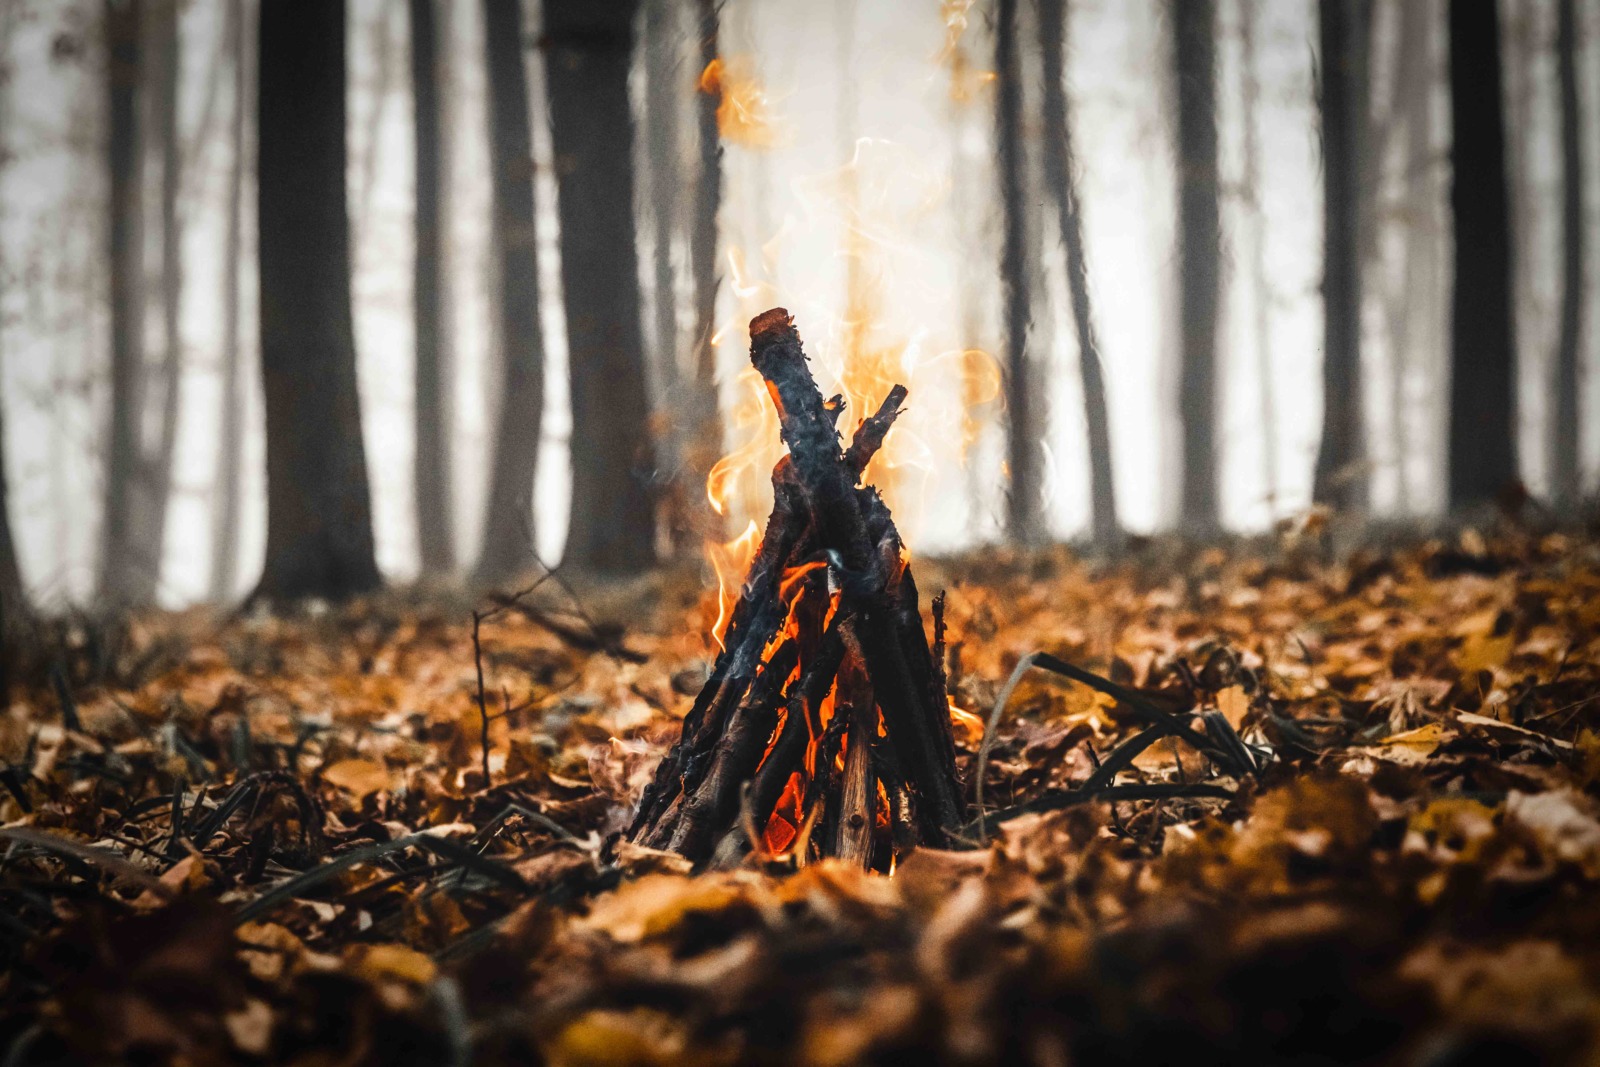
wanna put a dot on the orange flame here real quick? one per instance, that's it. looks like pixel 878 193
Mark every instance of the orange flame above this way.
pixel 743 109
pixel 731 561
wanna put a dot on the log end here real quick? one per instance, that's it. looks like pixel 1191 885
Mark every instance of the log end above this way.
pixel 775 322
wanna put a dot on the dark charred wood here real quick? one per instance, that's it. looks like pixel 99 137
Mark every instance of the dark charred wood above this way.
pixel 870 434
pixel 738 750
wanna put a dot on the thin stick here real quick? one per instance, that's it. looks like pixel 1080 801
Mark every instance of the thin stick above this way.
pixel 483 707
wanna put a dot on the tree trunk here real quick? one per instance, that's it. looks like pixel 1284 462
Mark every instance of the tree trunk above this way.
pixel 155 475
pixel 1483 457
pixel 1410 303
pixel 1062 165
pixel 1199 256
pixel 1024 504
pixel 319 518
pixel 612 527
pixel 118 553
pixel 1338 480
pixel 14 608
pixel 508 532
pixel 1261 296
pixel 225 521
pixel 702 411
pixel 1565 435
pixel 662 112
pixel 431 411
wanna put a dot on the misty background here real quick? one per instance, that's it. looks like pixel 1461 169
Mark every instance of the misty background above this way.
pixel 859 185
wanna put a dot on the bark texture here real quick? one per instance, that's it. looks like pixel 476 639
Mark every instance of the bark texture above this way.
pixel 508 531
pixel 1024 505
pixel 225 514
pixel 1566 432
pixel 1062 164
pixel 431 413
pixel 319 519
pixel 1199 256
pixel 1338 479
pixel 612 525
pixel 1482 454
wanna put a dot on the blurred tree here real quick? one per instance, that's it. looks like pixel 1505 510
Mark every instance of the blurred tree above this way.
pixel 508 527
pixel 1261 286
pixel 701 407
pixel 165 62
pixel 1339 479
pixel 319 512
pixel 1199 255
pixel 662 116
pixel 1062 167
pixel 225 514
pixel 1024 510
pixel 612 526
pixel 1482 453
pixel 14 607
pixel 1565 434
pixel 120 552
pixel 431 411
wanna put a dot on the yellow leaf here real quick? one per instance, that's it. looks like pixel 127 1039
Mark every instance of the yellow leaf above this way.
pixel 1234 705
pixel 394 962
pixel 358 776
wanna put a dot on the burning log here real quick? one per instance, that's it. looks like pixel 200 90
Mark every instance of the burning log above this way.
pixel 823 727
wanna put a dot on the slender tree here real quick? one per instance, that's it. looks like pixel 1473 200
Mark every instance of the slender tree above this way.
pixel 661 118
pixel 1261 287
pixel 119 551
pixel 1199 254
pixel 1565 431
pixel 1338 480
pixel 508 546
pixel 612 527
pixel 225 515
pixel 1483 458
pixel 705 442
pixel 14 606
pixel 1062 164
pixel 319 518
pixel 431 411
pixel 1024 506
pixel 155 474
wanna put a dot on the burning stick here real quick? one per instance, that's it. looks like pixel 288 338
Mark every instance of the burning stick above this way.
pixel 834 684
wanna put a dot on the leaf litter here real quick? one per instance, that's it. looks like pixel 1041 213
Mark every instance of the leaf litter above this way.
pixel 260 839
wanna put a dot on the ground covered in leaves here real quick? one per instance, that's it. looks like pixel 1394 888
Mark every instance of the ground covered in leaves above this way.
pixel 265 839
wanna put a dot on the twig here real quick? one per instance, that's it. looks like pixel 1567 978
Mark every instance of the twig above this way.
pixel 483 707
pixel 974 832
pixel 1162 720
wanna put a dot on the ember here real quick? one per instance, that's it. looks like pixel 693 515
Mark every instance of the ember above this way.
pixel 824 729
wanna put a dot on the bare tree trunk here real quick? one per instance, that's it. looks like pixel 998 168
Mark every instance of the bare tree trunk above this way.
pixel 1565 436
pixel 662 113
pixel 508 532
pixel 155 474
pixel 612 527
pixel 14 607
pixel 1261 297
pixel 431 410
pixel 123 447
pixel 1024 505
pixel 1199 255
pixel 319 517
pixel 1483 456
pixel 1411 301
pixel 1062 165
pixel 225 520
pixel 1338 480
pixel 702 410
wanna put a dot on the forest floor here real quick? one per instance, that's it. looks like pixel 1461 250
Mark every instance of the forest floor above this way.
pixel 261 839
